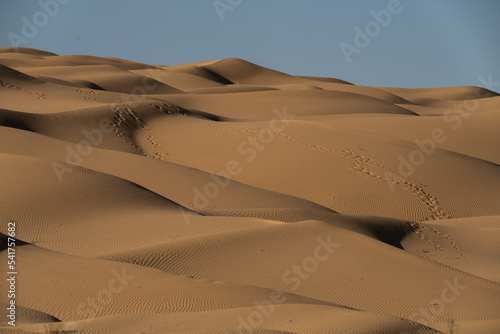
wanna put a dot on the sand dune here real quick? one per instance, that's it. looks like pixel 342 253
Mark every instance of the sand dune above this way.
pixel 225 197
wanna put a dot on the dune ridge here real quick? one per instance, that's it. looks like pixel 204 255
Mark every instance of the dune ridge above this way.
pixel 225 197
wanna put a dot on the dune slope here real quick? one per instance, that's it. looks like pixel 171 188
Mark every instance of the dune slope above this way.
pixel 225 197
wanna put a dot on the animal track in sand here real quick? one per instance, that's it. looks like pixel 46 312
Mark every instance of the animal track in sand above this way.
pixel 88 95
pixel 431 202
pixel 417 228
pixel 41 96
pixel 126 119
pixel 417 188
pixel 449 238
pixel 166 108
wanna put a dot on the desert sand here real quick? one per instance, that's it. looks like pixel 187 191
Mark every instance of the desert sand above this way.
pixel 225 197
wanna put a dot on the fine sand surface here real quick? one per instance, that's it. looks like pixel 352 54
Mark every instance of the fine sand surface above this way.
pixel 224 197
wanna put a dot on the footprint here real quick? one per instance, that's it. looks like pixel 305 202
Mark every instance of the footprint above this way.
pixel 125 120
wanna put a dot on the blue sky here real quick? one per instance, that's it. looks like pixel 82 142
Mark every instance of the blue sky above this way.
pixel 427 43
